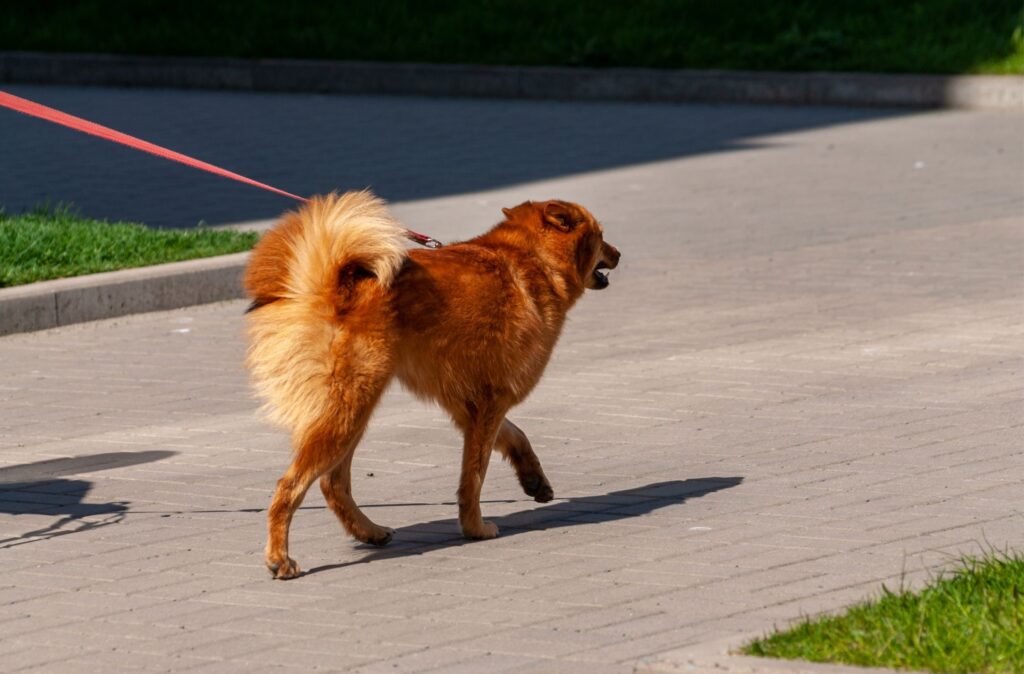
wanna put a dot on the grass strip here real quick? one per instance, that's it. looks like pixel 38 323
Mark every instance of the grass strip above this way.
pixel 921 36
pixel 969 621
pixel 50 244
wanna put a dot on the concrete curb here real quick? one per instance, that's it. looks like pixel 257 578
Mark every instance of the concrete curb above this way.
pixel 50 304
pixel 554 83
pixel 719 657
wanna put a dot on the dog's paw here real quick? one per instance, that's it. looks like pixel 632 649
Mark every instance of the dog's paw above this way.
pixel 538 487
pixel 283 570
pixel 544 494
pixel 380 536
pixel 487 530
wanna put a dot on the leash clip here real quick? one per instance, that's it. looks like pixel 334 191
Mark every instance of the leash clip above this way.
pixel 423 239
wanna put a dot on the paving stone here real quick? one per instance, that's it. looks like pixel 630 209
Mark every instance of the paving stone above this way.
pixel 804 381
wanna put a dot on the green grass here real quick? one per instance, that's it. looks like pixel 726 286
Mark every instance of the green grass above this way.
pixel 970 621
pixel 926 36
pixel 56 244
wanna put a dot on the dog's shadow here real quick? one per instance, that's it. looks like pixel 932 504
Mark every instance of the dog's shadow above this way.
pixel 417 539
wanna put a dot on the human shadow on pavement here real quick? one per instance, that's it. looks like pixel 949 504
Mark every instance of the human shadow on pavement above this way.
pixel 39 488
pixel 417 539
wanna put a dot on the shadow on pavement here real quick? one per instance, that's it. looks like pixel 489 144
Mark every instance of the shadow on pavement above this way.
pixel 39 489
pixel 418 539
pixel 404 148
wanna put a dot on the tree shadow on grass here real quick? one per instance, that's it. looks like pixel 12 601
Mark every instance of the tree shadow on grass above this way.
pixel 39 488
pixel 418 539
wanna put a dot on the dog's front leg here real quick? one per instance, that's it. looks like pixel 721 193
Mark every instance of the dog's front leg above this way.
pixel 480 433
pixel 515 447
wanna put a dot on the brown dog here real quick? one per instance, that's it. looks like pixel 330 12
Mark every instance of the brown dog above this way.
pixel 340 306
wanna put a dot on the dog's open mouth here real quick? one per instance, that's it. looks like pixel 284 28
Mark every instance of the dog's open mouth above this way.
pixel 600 279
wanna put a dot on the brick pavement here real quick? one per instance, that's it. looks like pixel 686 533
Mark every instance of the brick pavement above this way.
pixel 805 380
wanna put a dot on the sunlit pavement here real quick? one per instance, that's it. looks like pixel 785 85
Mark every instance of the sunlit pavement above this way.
pixel 804 381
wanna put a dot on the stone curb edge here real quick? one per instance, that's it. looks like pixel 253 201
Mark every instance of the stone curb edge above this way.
pixel 719 657
pixel 51 304
pixel 551 83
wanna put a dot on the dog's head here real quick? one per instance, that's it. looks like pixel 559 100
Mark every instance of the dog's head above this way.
pixel 570 232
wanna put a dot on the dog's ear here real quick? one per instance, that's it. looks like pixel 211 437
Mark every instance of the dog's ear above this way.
pixel 516 212
pixel 559 216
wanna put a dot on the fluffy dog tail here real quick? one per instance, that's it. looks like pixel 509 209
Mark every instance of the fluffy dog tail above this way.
pixel 318 282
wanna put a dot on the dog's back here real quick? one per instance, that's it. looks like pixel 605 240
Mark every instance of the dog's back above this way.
pixel 474 317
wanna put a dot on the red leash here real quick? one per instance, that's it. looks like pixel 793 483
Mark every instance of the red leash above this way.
pixel 33 109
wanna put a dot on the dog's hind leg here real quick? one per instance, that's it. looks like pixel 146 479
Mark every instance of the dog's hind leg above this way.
pixel 480 428
pixel 337 488
pixel 315 454
pixel 325 447
pixel 516 449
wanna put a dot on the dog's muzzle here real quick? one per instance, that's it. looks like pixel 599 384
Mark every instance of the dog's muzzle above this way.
pixel 609 260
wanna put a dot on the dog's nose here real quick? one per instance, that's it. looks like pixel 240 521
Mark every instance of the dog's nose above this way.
pixel 611 255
